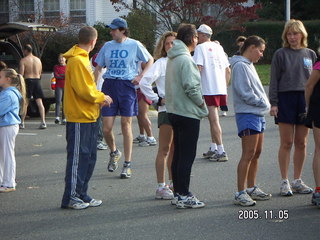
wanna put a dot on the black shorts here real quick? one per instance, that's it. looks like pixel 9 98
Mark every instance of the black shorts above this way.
pixel 34 89
pixel 291 107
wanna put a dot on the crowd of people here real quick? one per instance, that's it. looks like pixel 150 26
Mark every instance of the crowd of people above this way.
pixel 187 78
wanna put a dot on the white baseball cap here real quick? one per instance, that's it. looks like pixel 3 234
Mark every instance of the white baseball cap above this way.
pixel 205 29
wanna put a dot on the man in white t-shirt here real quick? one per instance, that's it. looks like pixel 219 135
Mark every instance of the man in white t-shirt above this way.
pixel 215 75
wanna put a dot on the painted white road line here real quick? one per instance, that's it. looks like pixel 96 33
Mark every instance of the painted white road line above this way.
pixel 28 134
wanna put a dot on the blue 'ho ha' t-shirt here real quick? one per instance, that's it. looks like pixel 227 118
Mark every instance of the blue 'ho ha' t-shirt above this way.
pixel 121 59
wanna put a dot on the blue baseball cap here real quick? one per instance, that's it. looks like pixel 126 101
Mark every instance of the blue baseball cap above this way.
pixel 118 23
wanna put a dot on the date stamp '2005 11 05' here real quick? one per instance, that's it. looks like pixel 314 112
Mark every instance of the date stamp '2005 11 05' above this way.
pixel 255 214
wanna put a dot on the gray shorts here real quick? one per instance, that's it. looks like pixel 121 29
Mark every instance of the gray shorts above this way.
pixel 163 119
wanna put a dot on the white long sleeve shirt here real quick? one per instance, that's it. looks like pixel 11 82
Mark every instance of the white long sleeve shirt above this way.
pixel 155 74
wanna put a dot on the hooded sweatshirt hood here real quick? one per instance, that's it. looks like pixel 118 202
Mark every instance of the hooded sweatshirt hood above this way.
pixel 179 49
pixel 75 51
pixel 248 93
pixel 10 99
pixel 81 96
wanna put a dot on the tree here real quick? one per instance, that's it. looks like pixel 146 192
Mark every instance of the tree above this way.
pixel 219 14
pixel 300 9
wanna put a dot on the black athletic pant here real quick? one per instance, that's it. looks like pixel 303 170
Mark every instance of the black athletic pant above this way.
pixel 185 137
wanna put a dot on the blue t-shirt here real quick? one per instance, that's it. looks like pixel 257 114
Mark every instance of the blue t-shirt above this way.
pixel 121 59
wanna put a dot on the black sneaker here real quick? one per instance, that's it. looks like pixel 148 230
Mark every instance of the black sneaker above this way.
pixel 316 199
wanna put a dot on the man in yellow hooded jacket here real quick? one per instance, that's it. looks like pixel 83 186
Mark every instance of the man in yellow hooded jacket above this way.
pixel 82 102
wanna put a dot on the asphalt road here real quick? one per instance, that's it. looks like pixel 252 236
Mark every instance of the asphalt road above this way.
pixel 129 210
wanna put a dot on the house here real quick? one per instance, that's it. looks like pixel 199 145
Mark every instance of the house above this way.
pixel 75 11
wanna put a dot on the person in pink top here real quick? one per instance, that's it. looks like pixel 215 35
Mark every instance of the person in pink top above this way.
pixel 312 95
pixel 59 72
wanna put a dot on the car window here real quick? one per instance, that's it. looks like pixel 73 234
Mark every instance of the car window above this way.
pixel 9 55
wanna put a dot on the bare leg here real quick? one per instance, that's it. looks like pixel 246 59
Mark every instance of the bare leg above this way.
pixel 41 109
pixel 299 156
pixel 316 158
pixel 126 127
pixel 249 146
pixel 215 128
pixel 143 119
pixel 165 141
pixel 253 169
pixel 286 140
pixel 108 132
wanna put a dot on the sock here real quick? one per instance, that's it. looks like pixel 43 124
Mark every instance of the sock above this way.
pixel 58 118
pixel 161 185
pixel 127 164
pixel 295 181
pixel 213 146
pixel 142 135
pixel 240 192
pixel 150 138
pixel 183 197
pixel 317 189
pixel 250 189
pixel 220 149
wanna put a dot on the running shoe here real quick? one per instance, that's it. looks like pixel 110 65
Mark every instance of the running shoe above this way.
pixel 258 194
pixel 219 157
pixel 243 199
pixel 164 193
pixel 21 126
pixel 190 202
pixel 126 172
pixel 114 159
pixel 299 186
pixel 285 189
pixel 316 199
pixel 57 121
pixel 148 142
pixel 95 203
pixel 43 126
pixel 64 121
pixel 223 114
pixel 140 139
pixel 209 154
pixel 102 146
pixel 76 204
pixel 7 189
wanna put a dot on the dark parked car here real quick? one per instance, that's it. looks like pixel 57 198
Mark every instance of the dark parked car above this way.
pixel 11 53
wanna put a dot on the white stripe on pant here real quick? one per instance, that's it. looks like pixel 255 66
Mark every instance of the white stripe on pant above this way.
pixel 7 156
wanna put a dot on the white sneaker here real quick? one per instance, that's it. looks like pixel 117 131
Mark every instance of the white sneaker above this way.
pixel 150 141
pixel 285 189
pixel 95 203
pixel 140 139
pixel 244 199
pixel 164 193
pixel 190 202
pixel 258 194
pixel 299 186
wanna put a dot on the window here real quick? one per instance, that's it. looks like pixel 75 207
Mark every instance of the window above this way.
pixel 51 8
pixel 4 11
pixel 77 5
pixel 26 5
pixel 78 11
pixel 51 5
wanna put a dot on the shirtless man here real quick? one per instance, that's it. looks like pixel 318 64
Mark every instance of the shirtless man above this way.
pixel 30 68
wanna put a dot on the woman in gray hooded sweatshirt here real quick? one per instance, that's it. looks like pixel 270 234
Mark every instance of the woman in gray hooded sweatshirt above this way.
pixel 250 105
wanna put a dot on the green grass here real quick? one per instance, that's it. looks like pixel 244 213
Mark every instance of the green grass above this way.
pixel 264 73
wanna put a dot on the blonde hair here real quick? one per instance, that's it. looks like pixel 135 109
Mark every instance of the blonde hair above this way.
pixel 159 50
pixel 18 81
pixel 297 26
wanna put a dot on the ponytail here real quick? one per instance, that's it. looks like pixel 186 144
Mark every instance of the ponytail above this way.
pixel 17 81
